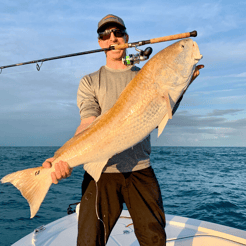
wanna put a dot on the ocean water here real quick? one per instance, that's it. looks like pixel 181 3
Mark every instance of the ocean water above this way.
pixel 204 183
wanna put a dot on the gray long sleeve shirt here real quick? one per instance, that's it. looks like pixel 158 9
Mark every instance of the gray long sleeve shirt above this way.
pixel 97 93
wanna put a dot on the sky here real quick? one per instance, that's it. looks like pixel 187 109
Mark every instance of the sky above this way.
pixel 38 108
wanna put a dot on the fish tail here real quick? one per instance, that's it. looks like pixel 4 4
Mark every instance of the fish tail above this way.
pixel 33 184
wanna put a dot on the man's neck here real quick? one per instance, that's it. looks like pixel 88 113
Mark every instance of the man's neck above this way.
pixel 115 64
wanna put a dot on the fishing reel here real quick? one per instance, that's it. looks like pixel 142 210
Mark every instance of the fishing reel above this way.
pixel 141 56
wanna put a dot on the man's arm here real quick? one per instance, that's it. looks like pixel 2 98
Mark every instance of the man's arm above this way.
pixel 62 169
pixel 84 124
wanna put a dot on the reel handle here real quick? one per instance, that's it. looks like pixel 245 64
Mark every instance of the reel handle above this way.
pixel 147 52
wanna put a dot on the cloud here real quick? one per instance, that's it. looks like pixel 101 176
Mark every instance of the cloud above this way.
pixel 236 75
pixel 221 50
pixel 213 119
pixel 241 75
pixel 212 129
pixel 220 112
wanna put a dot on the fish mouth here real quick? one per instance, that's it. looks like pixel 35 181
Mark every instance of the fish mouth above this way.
pixel 198 58
pixel 196 53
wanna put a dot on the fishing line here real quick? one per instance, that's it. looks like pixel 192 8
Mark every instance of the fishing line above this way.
pixel 105 235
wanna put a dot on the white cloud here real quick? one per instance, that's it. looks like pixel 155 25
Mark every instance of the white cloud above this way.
pixel 221 112
pixel 217 53
pixel 241 75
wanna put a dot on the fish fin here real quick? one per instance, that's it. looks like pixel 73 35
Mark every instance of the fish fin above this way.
pixel 162 124
pixel 95 169
pixel 169 108
pixel 167 116
pixel 33 184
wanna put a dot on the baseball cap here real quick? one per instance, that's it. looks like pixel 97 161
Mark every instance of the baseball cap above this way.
pixel 110 19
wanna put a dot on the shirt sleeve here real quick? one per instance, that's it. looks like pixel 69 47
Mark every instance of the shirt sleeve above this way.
pixel 86 99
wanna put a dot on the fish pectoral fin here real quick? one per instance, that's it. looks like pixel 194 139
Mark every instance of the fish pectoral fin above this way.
pixel 162 124
pixel 167 116
pixel 169 108
pixel 95 169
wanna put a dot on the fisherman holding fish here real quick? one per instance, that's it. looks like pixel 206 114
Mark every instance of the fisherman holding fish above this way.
pixel 128 176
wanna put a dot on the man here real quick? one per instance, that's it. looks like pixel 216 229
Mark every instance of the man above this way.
pixel 128 177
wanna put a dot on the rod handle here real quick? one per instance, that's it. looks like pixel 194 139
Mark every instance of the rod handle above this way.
pixel 193 33
pixel 173 37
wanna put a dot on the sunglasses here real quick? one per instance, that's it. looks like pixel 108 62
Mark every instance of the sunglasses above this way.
pixel 106 34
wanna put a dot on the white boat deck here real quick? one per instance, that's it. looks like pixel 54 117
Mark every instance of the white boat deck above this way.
pixel 180 231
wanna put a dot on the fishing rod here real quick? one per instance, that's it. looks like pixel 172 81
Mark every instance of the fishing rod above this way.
pixel 128 60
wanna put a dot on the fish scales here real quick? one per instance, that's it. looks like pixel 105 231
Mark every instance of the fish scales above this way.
pixel 145 103
pixel 130 127
pixel 124 121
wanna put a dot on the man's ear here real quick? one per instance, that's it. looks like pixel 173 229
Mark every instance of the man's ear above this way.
pixel 102 47
pixel 99 42
pixel 126 37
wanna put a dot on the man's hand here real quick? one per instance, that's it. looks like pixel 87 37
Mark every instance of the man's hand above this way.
pixel 62 170
pixel 196 72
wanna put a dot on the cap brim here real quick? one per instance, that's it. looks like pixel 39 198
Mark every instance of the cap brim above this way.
pixel 108 24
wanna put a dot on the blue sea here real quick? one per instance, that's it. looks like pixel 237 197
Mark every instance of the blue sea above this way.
pixel 206 183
